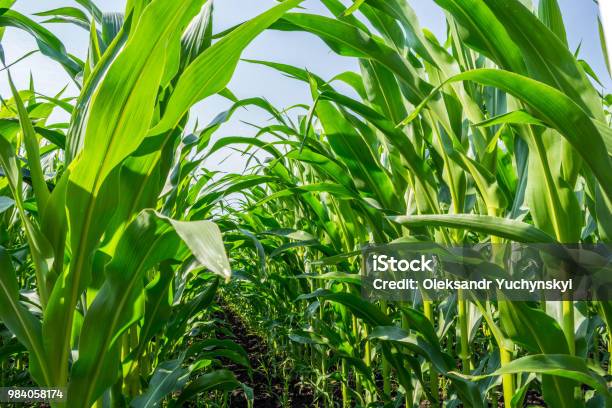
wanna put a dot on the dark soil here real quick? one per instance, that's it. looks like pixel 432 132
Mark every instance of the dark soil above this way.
pixel 534 399
pixel 268 389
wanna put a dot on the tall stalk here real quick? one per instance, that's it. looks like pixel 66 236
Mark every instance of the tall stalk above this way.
pixel 464 341
pixel 433 375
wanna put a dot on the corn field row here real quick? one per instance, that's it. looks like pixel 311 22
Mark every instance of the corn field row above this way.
pixel 122 253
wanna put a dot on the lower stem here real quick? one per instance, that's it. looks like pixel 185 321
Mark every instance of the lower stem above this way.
pixel 386 368
pixel 409 394
pixel 433 374
pixel 367 359
pixel 346 399
pixel 568 325
pixel 609 351
pixel 507 379
pixel 464 343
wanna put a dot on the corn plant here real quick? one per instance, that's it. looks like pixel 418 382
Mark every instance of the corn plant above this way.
pixel 105 251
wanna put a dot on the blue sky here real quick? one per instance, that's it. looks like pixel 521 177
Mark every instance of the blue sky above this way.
pixel 298 49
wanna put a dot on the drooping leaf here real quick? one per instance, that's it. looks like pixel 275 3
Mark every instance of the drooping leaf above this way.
pixel 501 227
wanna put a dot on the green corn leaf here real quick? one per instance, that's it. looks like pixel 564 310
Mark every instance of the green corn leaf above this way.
pixel 158 310
pixel 92 8
pixel 78 123
pixel 177 326
pixel 169 376
pixel 134 8
pixel 222 380
pixel 246 140
pixel 387 26
pixel 111 25
pixel 294 72
pixel 550 14
pixel 353 80
pixel 560 365
pixel 361 308
pixel 532 328
pixel 40 250
pixel 20 321
pixel 31 143
pixel 48 43
pixel 500 227
pixel 354 7
pixel 335 276
pixel 419 322
pixel 70 14
pixel 211 71
pixel 441 361
pixel 519 397
pixel 604 46
pixel 198 36
pixel 54 227
pixel 518 117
